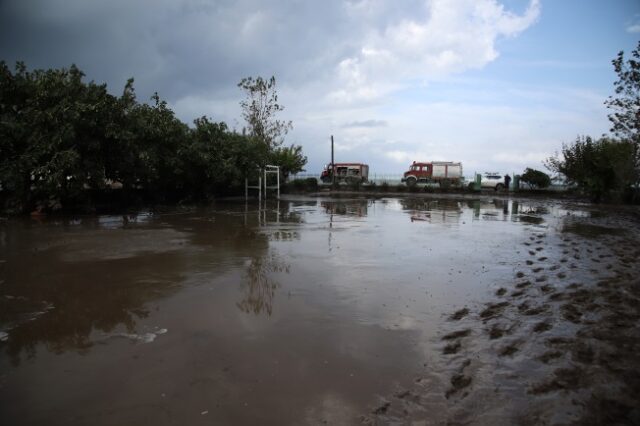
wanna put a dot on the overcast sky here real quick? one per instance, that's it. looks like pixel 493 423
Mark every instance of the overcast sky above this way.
pixel 498 85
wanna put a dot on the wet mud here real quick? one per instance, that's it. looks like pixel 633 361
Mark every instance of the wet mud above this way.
pixel 320 311
pixel 560 344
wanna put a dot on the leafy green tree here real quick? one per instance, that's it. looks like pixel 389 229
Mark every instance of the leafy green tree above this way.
pixel 52 130
pixel 626 102
pixel 535 178
pixel 259 110
pixel 219 159
pixel 603 168
pixel 67 143
pixel 158 138
pixel 626 106
pixel 290 159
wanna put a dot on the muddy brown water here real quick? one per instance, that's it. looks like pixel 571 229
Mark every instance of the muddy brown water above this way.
pixel 301 311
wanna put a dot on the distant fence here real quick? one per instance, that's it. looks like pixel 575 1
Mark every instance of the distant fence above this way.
pixel 391 178
pixel 394 179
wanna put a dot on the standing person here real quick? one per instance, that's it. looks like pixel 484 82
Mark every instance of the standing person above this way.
pixel 507 181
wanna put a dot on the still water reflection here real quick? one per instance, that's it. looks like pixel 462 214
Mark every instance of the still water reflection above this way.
pixel 290 312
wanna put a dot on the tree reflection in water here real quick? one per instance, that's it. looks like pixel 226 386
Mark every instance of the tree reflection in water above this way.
pixel 259 287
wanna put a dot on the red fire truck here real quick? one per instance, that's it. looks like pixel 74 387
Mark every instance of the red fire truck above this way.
pixel 346 172
pixel 443 172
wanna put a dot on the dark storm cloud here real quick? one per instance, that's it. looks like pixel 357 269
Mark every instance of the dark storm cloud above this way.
pixel 183 48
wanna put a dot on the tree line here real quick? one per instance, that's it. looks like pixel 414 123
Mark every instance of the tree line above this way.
pixel 70 144
pixel 608 168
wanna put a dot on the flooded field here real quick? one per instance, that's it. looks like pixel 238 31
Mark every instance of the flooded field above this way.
pixel 323 311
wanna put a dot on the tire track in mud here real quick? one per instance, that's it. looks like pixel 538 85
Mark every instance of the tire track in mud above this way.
pixel 560 344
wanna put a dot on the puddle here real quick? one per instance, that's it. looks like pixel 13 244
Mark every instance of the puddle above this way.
pixel 302 311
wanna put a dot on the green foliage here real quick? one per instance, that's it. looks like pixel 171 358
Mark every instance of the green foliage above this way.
pixel 54 130
pixel 625 105
pixel 609 168
pixel 290 159
pixel 535 178
pixel 260 108
pixel 626 102
pixel 603 169
pixel 312 184
pixel 64 141
pixel 301 185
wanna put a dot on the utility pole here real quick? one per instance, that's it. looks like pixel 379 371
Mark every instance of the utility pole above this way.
pixel 333 165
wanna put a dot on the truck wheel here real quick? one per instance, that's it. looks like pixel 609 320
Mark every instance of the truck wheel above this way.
pixel 411 181
pixel 499 187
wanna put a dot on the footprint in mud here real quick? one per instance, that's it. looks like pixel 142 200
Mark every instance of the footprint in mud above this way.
pixel 542 326
pixel 565 251
pixel 497 332
pixel 523 284
pixel 516 294
pixel 520 274
pixel 457 334
pixel 510 349
pixel 554 267
pixel 539 248
pixel 559 341
pixel 557 296
pixel 452 348
pixel 493 310
pixel 542 259
pixel 382 409
pixel 529 262
pixel 459 380
pixel 501 291
pixel 562 275
pixel 564 379
pixel 571 313
pixel 402 394
pixel 583 353
pixel 459 314
pixel 536 270
pixel 548 356
pixel 537 310
pixel 541 279
pixel 547 288
pixel 563 260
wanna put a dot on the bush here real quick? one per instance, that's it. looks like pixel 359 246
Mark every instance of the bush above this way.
pixel 604 169
pixel 299 184
pixel 312 184
pixel 535 178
